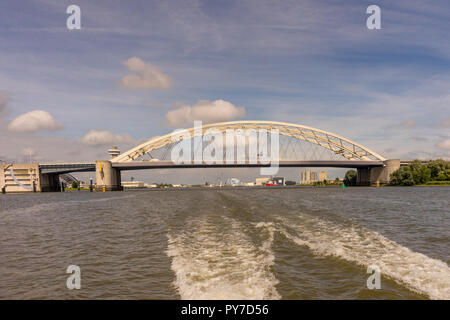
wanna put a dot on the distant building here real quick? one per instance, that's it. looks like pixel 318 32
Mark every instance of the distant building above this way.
pixel 305 177
pixel 281 181
pixel 84 185
pixel 133 184
pixel 153 185
pixel 322 175
pixel 234 182
pixel 261 181
pixel 309 177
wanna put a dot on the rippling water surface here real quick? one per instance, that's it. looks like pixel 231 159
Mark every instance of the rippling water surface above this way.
pixel 287 243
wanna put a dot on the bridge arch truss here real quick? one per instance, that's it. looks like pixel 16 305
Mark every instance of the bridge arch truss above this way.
pixel 339 145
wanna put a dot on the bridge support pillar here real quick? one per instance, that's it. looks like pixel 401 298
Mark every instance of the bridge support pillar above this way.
pixel 363 176
pixel 107 177
pixel 49 182
pixel 373 175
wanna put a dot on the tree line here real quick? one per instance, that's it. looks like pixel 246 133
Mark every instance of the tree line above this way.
pixel 433 172
pixel 421 173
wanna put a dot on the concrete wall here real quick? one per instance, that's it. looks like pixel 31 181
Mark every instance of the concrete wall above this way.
pixel 25 174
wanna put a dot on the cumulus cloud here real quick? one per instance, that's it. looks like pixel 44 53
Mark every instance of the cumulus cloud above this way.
pixel 145 76
pixel 104 137
pixel 36 120
pixel 445 144
pixel 206 111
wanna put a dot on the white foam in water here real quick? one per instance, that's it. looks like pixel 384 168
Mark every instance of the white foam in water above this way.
pixel 414 270
pixel 218 261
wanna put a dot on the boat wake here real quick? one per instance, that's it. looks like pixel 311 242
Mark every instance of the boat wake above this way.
pixel 219 261
pixel 233 259
pixel 364 247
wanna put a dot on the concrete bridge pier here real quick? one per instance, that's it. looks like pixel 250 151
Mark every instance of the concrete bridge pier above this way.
pixel 49 182
pixel 107 177
pixel 373 175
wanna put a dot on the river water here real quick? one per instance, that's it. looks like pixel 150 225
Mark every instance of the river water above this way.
pixel 272 243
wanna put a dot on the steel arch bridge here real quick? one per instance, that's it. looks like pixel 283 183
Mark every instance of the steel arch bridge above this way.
pixel 338 145
pixel 342 153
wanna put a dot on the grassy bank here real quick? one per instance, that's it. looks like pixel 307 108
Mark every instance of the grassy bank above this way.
pixel 435 184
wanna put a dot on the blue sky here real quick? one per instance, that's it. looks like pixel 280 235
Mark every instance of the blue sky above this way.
pixel 308 62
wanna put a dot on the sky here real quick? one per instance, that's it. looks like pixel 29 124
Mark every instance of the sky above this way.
pixel 138 69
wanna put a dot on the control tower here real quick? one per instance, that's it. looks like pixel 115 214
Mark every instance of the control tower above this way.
pixel 114 152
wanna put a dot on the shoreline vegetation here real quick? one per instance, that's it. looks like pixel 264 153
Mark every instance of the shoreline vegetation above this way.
pixel 432 173
pixel 434 184
pixel 436 172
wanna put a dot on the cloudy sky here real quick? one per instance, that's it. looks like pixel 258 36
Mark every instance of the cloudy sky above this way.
pixel 141 68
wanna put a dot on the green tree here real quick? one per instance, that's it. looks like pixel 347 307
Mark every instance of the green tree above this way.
pixel 350 178
pixel 418 173
pixel 74 185
pixel 439 169
pixel 421 174
pixel 402 177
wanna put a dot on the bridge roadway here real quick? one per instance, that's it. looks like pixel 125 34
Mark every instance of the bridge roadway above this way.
pixel 59 168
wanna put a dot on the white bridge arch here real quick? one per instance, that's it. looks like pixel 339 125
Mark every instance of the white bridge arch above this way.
pixel 344 147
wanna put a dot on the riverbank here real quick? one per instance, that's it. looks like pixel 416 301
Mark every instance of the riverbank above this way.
pixel 433 185
pixel 246 188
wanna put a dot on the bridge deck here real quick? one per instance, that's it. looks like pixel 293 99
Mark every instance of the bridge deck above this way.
pixel 59 168
pixel 141 165
pixel 138 165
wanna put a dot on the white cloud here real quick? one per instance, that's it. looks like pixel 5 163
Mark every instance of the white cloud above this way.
pixel 36 120
pixel 445 144
pixel 45 148
pixel 206 111
pixel 99 138
pixel 146 76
